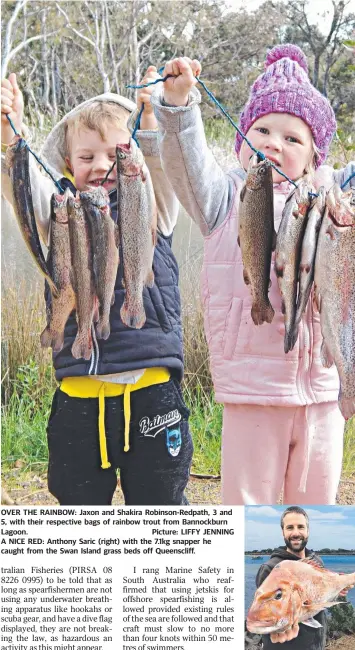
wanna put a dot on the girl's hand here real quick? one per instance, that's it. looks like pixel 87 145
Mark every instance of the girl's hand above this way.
pixel 177 88
pixel 11 105
pixel 148 121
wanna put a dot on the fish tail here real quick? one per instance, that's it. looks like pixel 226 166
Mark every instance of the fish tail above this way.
pixel 150 279
pixel 133 314
pixel 262 313
pixel 291 336
pixel 82 346
pixel 326 357
pixel 54 340
pixel 103 329
pixel 347 406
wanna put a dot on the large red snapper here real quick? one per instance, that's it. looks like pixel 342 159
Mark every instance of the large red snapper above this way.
pixel 294 592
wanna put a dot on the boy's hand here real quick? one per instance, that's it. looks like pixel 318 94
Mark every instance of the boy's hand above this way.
pixel 148 120
pixel 177 88
pixel 11 105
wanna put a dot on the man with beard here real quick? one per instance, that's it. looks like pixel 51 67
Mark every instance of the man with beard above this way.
pixel 295 530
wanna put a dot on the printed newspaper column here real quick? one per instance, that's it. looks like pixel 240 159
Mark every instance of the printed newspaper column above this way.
pixel 130 578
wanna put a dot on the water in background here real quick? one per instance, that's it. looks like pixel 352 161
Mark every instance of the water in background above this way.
pixel 17 263
pixel 337 563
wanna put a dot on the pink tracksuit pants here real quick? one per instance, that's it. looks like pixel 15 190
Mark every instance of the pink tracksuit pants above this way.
pixel 267 448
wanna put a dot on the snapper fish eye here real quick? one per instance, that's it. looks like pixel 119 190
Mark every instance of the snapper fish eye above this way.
pixel 278 594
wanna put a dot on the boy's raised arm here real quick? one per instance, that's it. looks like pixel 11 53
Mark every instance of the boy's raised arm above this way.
pixel 201 186
pixel 42 187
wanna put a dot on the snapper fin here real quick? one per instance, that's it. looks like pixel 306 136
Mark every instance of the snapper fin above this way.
pixel 311 622
pixel 315 565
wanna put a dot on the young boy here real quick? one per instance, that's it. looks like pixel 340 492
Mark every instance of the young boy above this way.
pixel 124 407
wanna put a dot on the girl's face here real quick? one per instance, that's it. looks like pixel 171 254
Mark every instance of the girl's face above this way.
pixel 285 139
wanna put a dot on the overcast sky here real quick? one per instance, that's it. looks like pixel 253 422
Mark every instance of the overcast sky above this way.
pixel 319 11
pixel 330 526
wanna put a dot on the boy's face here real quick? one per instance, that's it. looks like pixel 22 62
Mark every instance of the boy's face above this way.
pixel 285 139
pixel 91 157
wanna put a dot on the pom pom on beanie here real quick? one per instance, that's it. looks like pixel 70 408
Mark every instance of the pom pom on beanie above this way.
pixel 284 87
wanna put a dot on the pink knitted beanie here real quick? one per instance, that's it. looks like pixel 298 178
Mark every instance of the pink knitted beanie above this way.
pixel 284 87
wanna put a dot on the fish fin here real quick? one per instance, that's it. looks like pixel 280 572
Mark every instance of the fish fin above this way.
pixel 117 235
pixel 315 565
pixel 238 240
pixel 131 317
pixel 317 299
pixel 262 314
pixel 95 312
pixel 246 276
pixel 311 622
pixel 273 245
pixel 149 282
pixel 242 193
pixel 326 358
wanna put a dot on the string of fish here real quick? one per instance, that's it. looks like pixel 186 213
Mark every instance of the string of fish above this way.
pixel 260 154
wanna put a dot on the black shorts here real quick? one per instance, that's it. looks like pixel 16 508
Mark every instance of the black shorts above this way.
pixel 154 471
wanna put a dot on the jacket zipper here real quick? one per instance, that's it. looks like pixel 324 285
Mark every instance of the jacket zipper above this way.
pixel 95 355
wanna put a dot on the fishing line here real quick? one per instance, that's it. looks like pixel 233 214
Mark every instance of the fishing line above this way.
pixel 138 123
pixel 57 183
pixel 136 127
pixel 215 100
pixel 222 109
pixel 347 181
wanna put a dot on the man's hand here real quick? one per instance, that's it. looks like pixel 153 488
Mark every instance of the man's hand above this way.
pixel 177 88
pixel 148 120
pixel 288 635
pixel 11 105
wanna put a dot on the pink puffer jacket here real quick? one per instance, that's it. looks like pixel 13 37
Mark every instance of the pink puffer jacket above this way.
pixel 248 362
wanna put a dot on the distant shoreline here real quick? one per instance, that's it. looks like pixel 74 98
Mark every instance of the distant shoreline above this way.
pixel 262 553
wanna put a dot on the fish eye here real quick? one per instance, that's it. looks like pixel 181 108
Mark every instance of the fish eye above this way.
pixel 278 594
pixel 121 154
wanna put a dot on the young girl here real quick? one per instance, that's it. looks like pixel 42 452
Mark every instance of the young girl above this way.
pixel 282 427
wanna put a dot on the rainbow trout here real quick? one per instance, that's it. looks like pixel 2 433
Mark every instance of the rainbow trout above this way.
pixel 288 254
pixel 81 277
pixel 137 220
pixel 256 236
pixel 294 592
pixel 335 293
pixel 308 254
pixel 105 256
pixel 62 304
pixel 17 161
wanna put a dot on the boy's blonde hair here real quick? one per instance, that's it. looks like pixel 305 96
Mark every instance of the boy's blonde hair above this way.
pixel 98 116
